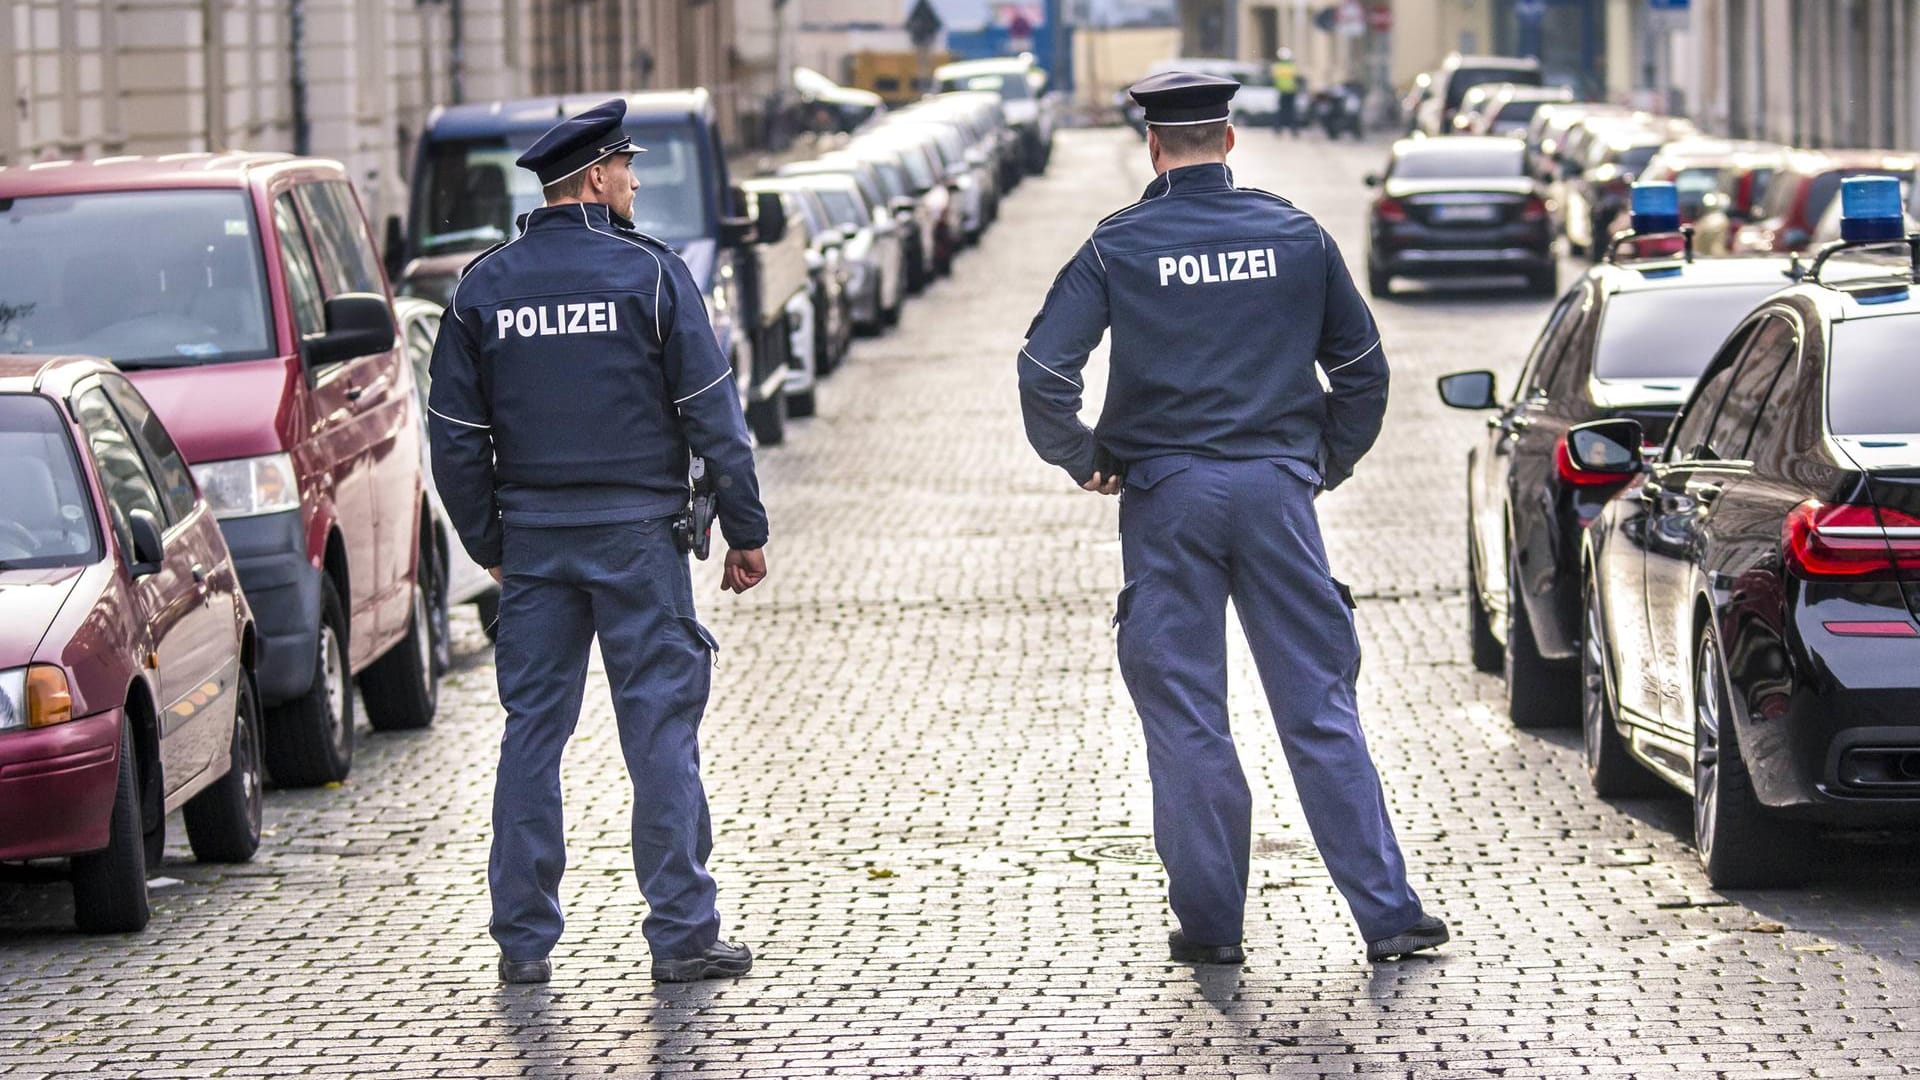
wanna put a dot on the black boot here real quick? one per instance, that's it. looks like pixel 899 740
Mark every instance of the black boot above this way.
pixel 1186 952
pixel 1428 933
pixel 720 960
pixel 525 971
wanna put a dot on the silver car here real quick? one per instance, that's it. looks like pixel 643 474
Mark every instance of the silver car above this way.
pixel 875 265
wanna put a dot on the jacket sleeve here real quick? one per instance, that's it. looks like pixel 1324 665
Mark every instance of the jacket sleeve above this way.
pixel 1070 324
pixel 460 430
pixel 1349 352
pixel 701 381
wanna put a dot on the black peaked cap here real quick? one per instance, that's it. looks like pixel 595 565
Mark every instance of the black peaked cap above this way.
pixel 1184 97
pixel 579 141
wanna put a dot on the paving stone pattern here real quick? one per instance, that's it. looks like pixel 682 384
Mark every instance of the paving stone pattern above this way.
pixel 932 812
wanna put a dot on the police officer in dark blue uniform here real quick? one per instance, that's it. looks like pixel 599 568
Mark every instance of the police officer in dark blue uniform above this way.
pixel 574 372
pixel 1226 305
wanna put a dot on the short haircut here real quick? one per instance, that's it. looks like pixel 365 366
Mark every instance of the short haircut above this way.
pixel 1192 140
pixel 567 187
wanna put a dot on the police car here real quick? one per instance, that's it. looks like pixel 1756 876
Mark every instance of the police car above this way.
pixel 1627 340
pixel 1751 600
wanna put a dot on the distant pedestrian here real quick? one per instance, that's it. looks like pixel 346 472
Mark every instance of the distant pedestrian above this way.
pixel 574 370
pixel 1218 436
pixel 1287 84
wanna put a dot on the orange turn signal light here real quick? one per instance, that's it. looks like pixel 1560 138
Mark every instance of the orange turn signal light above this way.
pixel 49 701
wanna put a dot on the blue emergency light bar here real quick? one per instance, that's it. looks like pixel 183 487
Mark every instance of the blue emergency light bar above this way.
pixel 1871 209
pixel 1654 207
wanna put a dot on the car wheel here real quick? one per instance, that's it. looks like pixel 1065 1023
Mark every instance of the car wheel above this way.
pixel 800 404
pixel 309 740
pixel 1379 282
pixel 223 822
pixel 400 689
pixel 1488 656
pixel 891 316
pixel 1540 692
pixel 433 568
pixel 768 419
pixel 487 605
pixel 110 887
pixel 1741 846
pixel 1610 768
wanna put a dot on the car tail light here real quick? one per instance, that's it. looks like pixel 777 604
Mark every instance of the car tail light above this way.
pixel 1534 209
pixel 1563 463
pixel 1824 540
pixel 1390 210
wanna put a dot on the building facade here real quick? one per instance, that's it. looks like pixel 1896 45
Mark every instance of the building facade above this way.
pixel 354 80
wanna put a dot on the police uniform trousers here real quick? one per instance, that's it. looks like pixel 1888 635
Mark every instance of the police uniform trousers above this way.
pixel 629 584
pixel 1195 532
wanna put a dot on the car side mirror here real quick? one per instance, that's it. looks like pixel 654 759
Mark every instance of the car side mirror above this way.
pixel 358 324
pixel 1605 447
pixel 396 246
pixel 149 547
pixel 737 232
pixel 1372 180
pixel 770 216
pixel 1469 390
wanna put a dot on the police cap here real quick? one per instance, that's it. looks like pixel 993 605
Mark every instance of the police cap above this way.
pixel 1174 98
pixel 579 141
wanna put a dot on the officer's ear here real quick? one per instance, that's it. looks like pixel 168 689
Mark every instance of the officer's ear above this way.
pixel 1229 146
pixel 1153 147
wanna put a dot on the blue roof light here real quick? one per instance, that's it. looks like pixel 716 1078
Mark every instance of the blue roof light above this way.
pixel 1870 209
pixel 1655 207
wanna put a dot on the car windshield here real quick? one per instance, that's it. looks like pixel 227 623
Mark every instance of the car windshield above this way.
pixel 843 207
pixel 1633 159
pixel 45 515
pixel 1515 116
pixel 140 277
pixel 1467 78
pixel 1694 185
pixel 1011 85
pixel 1437 159
pixel 1870 378
pixel 1671 333
pixel 474 192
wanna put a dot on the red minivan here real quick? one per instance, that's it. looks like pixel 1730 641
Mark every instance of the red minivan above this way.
pixel 242 293
pixel 126 647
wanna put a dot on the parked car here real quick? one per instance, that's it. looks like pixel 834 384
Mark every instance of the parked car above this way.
pixel 1456 75
pixel 1700 169
pixel 451 576
pixel 876 276
pixel 467 193
pixel 968 171
pixel 1625 341
pixel 1743 186
pixel 1549 127
pixel 830 271
pixel 1801 192
pixel 989 116
pixel 1022 86
pixel 126 648
pixel 1510 107
pixel 921 156
pixel 1751 600
pixel 253 313
pixel 1594 191
pixel 903 215
pixel 1459 206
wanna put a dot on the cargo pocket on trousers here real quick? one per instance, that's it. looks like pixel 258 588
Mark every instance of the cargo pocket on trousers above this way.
pixel 702 635
pixel 1345 592
pixel 1122 604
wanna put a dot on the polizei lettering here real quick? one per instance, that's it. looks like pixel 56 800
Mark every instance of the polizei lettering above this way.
pixel 546 320
pixel 1248 265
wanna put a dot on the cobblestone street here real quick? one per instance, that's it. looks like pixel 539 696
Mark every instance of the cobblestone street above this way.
pixel 931 809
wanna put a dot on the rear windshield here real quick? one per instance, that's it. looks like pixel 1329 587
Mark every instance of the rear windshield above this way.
pixel 44 503
pixel 1436 160
pixel 1671 333
pixel 1634 159
pixel 474 192
pixel 1870 377
pixel 1514 116
pixel 1466 79
pixel 1694 185
pixel 138 277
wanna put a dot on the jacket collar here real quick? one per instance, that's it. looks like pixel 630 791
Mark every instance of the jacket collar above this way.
pixel 1190 179
pixel 592 215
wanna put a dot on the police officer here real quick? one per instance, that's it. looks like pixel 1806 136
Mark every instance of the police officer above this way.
pixel 574 371
pixel 1287 84
pixel 1222 301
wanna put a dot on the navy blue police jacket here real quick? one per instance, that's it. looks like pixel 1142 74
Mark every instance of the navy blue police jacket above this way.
pixel 1227 306
pixel 574 371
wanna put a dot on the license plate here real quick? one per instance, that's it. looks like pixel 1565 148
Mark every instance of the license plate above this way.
pixel 1455 215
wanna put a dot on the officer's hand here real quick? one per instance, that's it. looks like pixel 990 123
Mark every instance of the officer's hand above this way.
pixel 498 577
pixel 1104 485
pixel 743 570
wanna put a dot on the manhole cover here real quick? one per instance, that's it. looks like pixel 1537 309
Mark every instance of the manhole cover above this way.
pixel 1139 849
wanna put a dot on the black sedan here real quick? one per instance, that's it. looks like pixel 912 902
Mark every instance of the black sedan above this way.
pixel 1625 341
pixel 1751 601
pixel 1463 205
